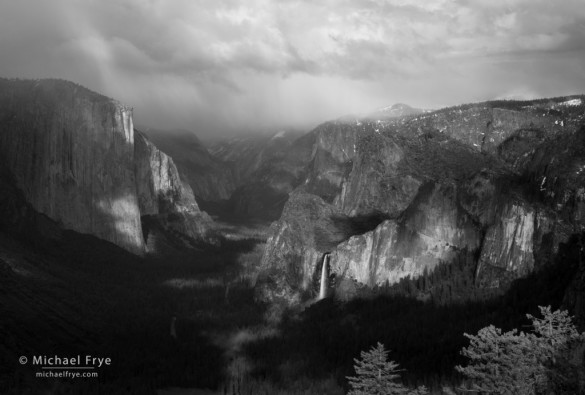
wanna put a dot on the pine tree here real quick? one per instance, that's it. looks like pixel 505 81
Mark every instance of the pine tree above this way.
pixel 556 329
pixel 375 374
pixel 556 341
pixel 501 363
pixel 524 363
pixel 422 390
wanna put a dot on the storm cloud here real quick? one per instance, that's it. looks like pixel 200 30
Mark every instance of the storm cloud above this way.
pixel 220 67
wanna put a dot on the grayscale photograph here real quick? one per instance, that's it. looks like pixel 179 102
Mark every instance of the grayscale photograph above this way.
pixel 292 197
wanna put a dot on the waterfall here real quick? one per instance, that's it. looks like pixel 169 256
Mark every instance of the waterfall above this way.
pixel 324 277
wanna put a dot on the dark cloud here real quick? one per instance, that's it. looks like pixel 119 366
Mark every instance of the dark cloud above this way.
pixel 225 66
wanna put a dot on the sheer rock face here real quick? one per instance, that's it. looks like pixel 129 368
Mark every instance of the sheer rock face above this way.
pixel 370 259
pixel 376 182
pixel 75 157
pixel 160 187
pixel 210 178
pixel 502 180
pixel 298 240
pixel 71 152
pixel 431 231
pixel 508 246
pixel 335 146
pixel 162 193
pixel 512 244
pixel 557 175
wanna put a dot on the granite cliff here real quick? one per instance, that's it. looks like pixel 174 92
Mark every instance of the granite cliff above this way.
pixel 71 152
pixel 163 196
pixel 399 196
pixel 210 178
pixel 307 229
pixel 73 155
pixel 241 178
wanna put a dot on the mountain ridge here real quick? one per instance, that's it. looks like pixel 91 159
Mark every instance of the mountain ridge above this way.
pixel 476 158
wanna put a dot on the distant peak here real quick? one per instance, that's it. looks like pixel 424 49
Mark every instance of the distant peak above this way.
pixel 396 110
pixel 279 135
pixel 397 107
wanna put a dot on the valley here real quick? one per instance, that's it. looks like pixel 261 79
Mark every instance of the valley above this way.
pixel 82 296
pixel 265 264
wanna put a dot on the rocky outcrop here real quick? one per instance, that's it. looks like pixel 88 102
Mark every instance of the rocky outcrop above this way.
pixel 334 147
pixel 306 230
pixel 508 246
pixel 159 188
pixel 162 193
pixel 73 156
pixel 19 218
pixel 432 230
pixel 71 153
pixel 376 181
pixel 556 173
pixel 210 178
pixel 243 178
pixel 369 258
pixel 498 181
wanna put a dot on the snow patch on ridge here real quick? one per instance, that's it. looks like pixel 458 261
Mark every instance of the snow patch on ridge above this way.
pixel 571 103
pixel 279 135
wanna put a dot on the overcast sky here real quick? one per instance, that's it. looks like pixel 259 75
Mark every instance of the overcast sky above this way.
pixel 223 66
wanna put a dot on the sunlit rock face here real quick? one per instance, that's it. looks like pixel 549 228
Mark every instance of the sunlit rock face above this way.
pixel 71 152
pixel 432 230
pixel 298 241
pixel 162 193
pixel 369 258
pixel 521 236
pixel 159 186
pixel 210 178
pixel 503 181
pixel 377 181
pixel 508 246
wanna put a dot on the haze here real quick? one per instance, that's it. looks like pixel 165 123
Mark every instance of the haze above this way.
pixel 223 67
